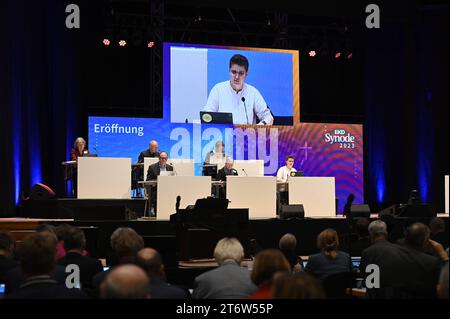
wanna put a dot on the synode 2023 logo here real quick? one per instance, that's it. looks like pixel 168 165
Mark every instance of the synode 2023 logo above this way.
pixel 341 137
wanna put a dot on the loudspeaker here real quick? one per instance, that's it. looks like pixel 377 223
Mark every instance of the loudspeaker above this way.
pixel 40 192
pixel 362 210
pixel 292 211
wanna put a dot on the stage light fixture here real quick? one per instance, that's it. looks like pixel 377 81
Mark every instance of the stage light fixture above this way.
pixel 350 55
pixel 337 55
pixel 122 43
pixel 312 53
pixel 150 44
pixel 106 41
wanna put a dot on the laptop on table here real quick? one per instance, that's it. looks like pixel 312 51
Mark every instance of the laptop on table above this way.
pixel 216 117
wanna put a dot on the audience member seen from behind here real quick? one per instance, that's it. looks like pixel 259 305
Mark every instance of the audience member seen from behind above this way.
pixel 421 271
pixel 229 280
pixel 330 260
pixel 363 241
pixel 297 286
pixel 288 245
pixel 437 231
pixel 7 247
pixel 61 231
pixel 125 243
pixel 37 259
pixel 151 262
pixel 442 287
pixel 16 276
pixel 74 244
pixel 266 265
pixel 125 282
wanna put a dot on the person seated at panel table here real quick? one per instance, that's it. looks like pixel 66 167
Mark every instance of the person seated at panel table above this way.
pixel 152 151
pixel 234 96
pixel 226 170
pixel 217 155
pixel 138 171
pixel 155 170
pixel 285 171
pixel 222 174
pixel 79 149
pixel 282 177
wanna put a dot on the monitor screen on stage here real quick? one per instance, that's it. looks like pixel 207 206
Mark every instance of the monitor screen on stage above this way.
pixel 251 84
pixel 319 149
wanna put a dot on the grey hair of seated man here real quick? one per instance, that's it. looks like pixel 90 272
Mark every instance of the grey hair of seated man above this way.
pixel 378 228
pixel 287 242
pixel 228 248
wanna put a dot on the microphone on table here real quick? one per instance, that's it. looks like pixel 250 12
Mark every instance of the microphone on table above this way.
pixel 96 152
pixel 174 171
pixel 245 107
pixel 245 172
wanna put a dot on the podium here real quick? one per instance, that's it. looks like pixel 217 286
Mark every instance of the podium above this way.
pixel 317 194
pixel 182 167
pixel 250 168
pixel 104 178
pixel 258 194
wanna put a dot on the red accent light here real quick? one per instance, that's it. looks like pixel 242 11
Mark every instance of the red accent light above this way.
pixel 337 55
pixel 122 43
pixel 106 41
pixel 350 55
pixel 312 53
pixel 150 44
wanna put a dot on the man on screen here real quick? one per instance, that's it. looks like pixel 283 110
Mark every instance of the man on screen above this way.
pixel 239 98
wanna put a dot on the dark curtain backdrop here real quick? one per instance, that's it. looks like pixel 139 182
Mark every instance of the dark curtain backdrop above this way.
pixel 406 124
pixel 41 114
pixel 42 108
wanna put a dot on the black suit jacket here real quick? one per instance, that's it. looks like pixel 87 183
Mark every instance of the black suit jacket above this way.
pixel 15 277
pixel 356 248
pixel 154 170
pixel 6 264
pixel 146 153
pixel 43 287
pixel 159 289
pixel 321 266
pixel 222 173
pixel 404 272
pixel 89 267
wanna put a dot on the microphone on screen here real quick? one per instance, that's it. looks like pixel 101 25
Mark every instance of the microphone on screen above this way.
pixel 245 172
pixel 245 108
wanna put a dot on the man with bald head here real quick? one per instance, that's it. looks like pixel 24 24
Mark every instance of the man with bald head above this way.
pixel 151 152
pixel 125 282
pixel 151 262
